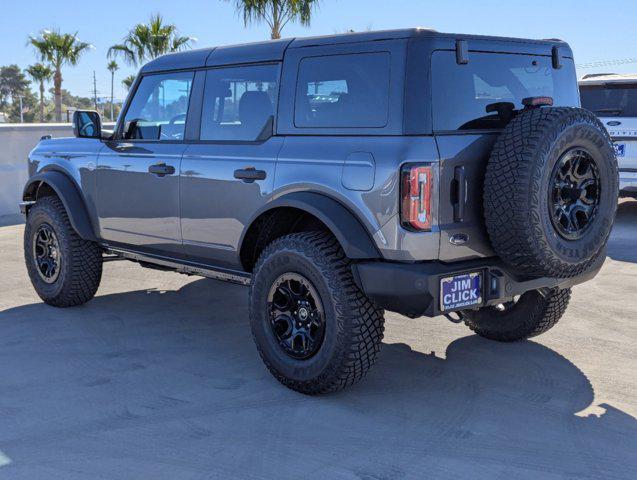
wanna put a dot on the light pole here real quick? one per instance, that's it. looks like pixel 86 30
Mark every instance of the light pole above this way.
pixel 21 113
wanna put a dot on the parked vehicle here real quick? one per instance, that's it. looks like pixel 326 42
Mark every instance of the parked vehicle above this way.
pixel 613 98
pixel 338 177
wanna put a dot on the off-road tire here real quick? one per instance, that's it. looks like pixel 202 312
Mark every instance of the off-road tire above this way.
pixel 533 314
pixel 81 261
pixel 517 187
pixel 354 326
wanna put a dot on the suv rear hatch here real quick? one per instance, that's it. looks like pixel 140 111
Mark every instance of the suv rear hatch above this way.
pixel 615 103
pixel 471 104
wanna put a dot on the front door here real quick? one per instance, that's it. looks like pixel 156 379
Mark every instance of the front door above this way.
pixel 138 172
pixel 227 175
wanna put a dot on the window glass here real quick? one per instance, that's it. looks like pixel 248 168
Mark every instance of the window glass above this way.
pixel 610 100
pixel 343 91
pixel 239 102
pixel 486 92
pixel 158 109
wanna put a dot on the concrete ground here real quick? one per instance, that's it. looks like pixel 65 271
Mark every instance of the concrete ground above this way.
pixel 157 378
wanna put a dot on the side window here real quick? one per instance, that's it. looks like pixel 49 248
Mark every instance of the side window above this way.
pixel 159 108
pixel 343 91
pixel 239 102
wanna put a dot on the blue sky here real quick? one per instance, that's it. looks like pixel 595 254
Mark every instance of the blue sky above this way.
pixel 597 30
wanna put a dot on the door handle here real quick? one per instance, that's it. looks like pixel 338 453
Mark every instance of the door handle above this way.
pixel 249 174
pixel 460 196
pixel 161 169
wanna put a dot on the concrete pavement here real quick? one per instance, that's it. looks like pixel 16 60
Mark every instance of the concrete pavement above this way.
pixel 157 378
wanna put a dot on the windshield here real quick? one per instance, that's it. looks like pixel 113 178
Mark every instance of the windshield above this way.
pixel 610 100
pixel 486 92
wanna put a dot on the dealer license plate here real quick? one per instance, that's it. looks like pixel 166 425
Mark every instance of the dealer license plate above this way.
pixel 460 291
pixel 620 149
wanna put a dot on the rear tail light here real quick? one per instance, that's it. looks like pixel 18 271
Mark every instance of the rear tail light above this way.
pixel 416 184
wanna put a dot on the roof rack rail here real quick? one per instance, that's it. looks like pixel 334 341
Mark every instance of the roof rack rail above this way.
pixel 593 75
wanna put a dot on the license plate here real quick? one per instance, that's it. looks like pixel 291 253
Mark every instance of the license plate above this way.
pixel 620 149
pixel 460 291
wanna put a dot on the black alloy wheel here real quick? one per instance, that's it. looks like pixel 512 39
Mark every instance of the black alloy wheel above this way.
pixel 46 253
pixel 297 318
pixel 575 194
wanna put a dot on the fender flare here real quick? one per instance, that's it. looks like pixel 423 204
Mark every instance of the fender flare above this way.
pixel 68 193
pixel 354 238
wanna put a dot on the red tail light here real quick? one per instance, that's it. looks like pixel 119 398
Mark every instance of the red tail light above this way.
pixel 416 188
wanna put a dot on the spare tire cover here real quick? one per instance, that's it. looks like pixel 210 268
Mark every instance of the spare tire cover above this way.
pixel 550 192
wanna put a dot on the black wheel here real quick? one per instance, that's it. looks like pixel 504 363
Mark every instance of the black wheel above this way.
pixel 550 191
pixel 64 269
pixel 315 330
pixel 530 315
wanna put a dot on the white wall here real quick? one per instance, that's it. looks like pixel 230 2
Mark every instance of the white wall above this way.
pixel 16 141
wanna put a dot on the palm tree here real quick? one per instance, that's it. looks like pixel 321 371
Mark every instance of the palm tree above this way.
pixel 276 13
pixel 58 49
pixel 41 74
pixel 128 81
pixel 112 67
pixel 147 41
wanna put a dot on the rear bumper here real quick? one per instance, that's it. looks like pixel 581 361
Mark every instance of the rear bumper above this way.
pixel 414 289
pixel 628 182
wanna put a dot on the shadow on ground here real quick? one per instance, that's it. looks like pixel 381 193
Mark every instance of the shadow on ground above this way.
pixel 151 384
pixel 622 245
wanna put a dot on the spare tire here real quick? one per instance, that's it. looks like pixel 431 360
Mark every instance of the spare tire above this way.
pixel 550 191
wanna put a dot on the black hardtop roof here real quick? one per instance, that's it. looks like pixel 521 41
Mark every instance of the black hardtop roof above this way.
pixel 273 50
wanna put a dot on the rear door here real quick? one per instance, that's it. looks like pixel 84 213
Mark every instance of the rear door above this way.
pixel 616 105
pixel 228 173
pixel 138 172
pixel 471 105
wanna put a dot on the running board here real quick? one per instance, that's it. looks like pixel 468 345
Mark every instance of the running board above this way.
pixel 226 275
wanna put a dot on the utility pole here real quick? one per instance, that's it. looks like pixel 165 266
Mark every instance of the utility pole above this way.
pixel 95 89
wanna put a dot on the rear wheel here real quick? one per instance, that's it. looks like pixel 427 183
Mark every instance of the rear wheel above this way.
pixel 530 315
pixel 65 270
pixel 315 330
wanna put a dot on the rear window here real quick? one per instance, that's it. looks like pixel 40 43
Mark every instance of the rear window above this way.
pixel 343 91
pixel 610 100
pixel 482 94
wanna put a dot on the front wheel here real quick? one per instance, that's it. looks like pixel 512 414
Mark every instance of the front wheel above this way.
pixel 532 314
pixel 315 330
pixel 65 270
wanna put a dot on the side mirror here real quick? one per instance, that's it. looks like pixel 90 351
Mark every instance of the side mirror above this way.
pixel 87 124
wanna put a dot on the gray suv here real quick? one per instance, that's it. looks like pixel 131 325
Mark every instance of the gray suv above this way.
pixel 338 177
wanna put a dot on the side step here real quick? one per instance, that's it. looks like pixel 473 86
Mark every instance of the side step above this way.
pixel 150 261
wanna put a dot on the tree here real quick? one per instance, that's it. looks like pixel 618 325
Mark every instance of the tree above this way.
pixel 41 74
pixel 13 84
pixel 128 81
pixel 112 67
pixel 58 49
pixel 147 41
pixel 276 13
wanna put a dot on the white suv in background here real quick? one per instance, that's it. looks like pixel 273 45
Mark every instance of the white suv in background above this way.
pixel 613 98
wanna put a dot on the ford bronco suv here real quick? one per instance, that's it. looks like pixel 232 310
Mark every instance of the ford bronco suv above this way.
pixel 613 98
pixel 338 177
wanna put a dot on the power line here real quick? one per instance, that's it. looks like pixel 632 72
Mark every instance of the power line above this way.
pixel 607 63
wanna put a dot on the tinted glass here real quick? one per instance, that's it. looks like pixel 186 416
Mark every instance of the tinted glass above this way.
pixel 239 103
pixel 610 100
pixel 484 93
pixel 158 109
pixel 343 91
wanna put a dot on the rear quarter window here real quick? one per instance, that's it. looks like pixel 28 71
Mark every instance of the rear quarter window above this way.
pixel 470 96
pixel 343 91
